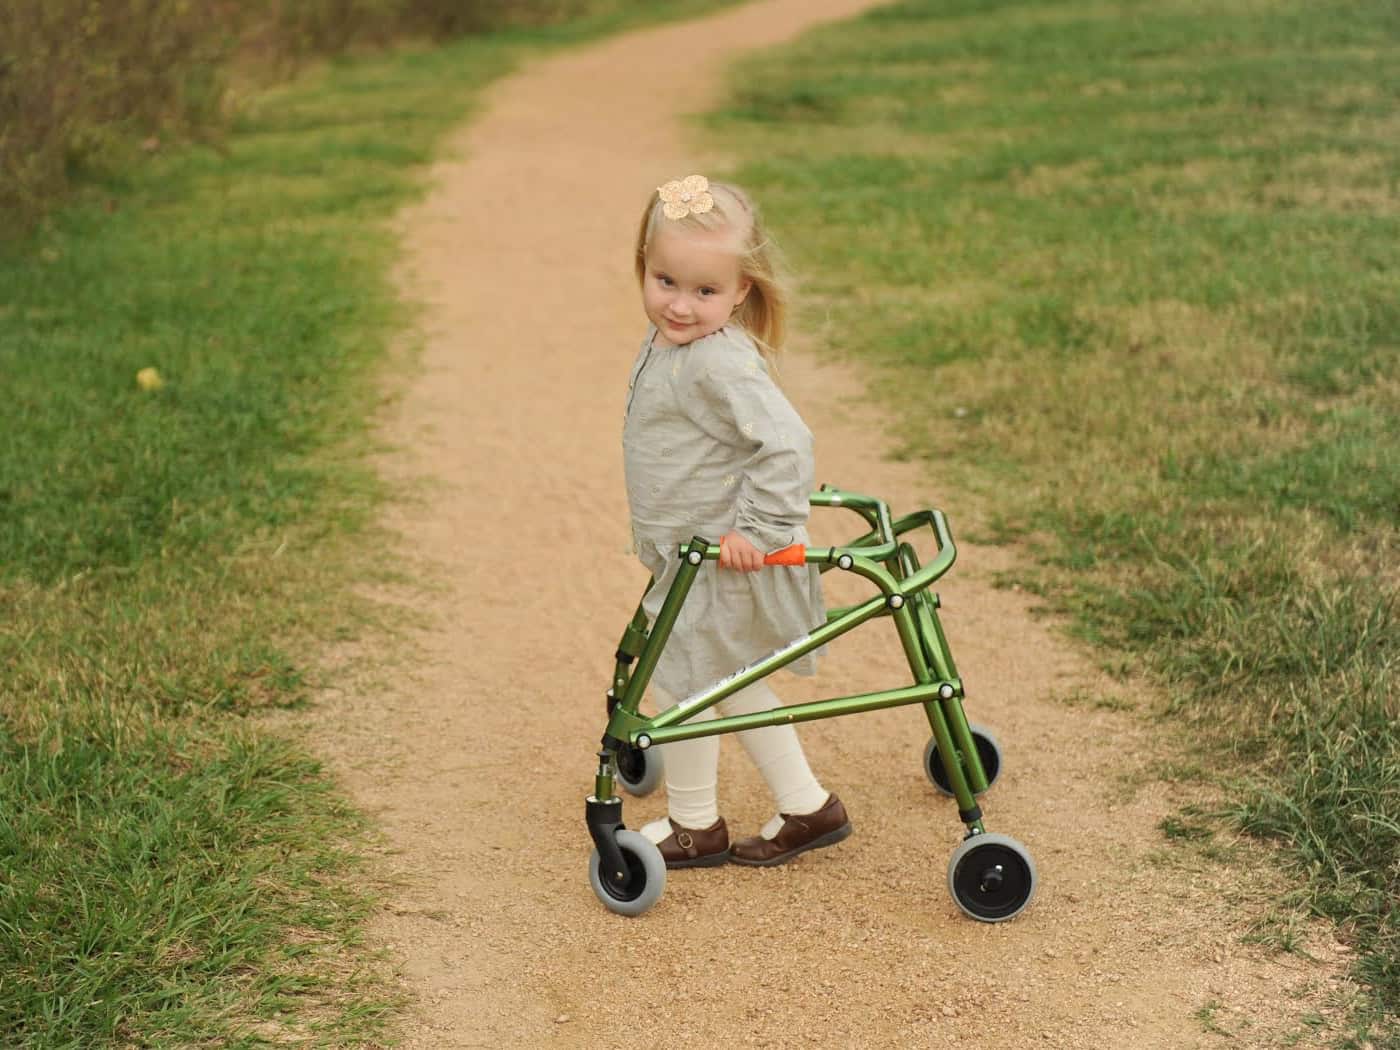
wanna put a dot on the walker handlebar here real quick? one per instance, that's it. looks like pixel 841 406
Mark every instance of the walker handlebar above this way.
pixel 883 530
pixel 793 554
pixel 796 554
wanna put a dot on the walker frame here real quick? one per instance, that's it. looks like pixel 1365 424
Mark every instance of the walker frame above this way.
pixel 991 877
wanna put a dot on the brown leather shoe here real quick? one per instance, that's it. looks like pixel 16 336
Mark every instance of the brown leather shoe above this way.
pixel 689 848
pixel 826 827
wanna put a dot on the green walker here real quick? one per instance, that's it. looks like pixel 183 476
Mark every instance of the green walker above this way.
pixel 991 877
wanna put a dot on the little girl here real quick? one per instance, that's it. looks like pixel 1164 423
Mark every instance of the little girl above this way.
pixel 711 447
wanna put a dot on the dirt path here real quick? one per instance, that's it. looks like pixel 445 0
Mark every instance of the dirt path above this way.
pixel 477 761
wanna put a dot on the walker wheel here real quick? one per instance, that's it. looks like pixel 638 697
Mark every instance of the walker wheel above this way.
pixel 991 877
pixel 646 876
pixel 988 750
pixel 639 772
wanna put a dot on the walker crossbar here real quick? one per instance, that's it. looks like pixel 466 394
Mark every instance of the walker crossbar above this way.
pixel 792 713
pixel 991 877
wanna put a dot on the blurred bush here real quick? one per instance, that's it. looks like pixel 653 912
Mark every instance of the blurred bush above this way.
pixel 83 82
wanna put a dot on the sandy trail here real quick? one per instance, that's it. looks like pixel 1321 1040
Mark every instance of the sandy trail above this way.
pixel 477 762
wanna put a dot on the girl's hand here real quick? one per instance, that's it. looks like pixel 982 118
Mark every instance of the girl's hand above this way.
pixel 739 554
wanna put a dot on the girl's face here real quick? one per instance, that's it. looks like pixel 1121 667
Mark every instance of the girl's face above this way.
pixel 692 282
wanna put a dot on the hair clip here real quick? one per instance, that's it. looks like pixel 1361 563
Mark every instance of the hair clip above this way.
pixel 687 196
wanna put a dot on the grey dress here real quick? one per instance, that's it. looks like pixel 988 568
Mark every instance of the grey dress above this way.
pixel 711 445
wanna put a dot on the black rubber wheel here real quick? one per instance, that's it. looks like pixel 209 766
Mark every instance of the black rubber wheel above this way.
pixel 646 876
pixel 988 750
pixel 639 772
pixel 991 877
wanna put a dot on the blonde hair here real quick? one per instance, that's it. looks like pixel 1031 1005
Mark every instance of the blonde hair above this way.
pixel 763 313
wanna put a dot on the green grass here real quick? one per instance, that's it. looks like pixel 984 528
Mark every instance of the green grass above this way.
pixel 171 559
pixel 1130 276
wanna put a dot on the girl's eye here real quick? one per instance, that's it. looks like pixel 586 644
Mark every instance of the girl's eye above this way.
pixel 664 280
pixel 707 291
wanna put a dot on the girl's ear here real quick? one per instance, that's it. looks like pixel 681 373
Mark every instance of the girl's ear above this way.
pixel 744 286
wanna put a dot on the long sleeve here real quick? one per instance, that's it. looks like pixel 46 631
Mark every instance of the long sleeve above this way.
pixel 738 405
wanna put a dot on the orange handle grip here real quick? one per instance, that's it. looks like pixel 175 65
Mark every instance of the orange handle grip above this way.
pixel 794 555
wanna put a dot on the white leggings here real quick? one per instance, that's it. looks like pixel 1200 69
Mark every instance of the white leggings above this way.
pixel 692 766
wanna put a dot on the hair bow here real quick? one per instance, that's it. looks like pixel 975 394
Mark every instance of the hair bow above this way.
pixel 687 196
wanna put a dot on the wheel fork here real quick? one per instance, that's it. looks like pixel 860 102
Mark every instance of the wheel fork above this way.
pixel 604 818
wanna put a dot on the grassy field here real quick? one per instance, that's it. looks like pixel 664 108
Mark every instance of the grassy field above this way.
pixel 173 553
pixel 1130 274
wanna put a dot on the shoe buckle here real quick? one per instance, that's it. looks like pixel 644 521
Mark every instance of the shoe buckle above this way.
pixel 684 840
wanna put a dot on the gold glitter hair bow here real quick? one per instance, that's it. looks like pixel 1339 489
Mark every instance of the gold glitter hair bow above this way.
pixel 687 196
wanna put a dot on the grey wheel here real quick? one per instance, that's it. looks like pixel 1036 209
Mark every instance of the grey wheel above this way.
pixel 645 878
pixel 639 772
pixel 988 750
pixel 991 877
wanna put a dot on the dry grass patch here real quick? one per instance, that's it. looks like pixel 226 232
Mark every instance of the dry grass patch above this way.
pixel 1046 180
